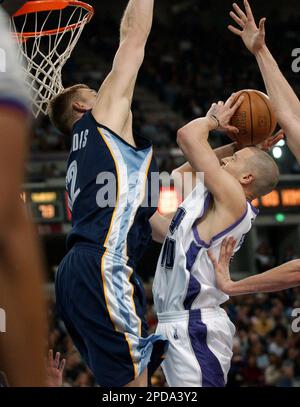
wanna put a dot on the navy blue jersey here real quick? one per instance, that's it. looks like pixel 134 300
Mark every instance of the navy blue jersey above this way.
pixel 113 190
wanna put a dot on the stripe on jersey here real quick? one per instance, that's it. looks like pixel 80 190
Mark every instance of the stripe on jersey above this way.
pixel 194 286
pixel 116 274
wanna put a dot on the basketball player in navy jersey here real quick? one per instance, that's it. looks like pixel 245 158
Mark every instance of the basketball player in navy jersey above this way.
pixel 99 295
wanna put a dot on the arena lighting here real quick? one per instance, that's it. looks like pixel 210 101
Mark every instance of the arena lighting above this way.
pixel 280 217
pixel 281 143
pixel 277 152
pixel 271 200
pixel 169 200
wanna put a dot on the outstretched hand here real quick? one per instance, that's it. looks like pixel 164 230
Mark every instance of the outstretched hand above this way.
pixel 252 35
pixel 272 141
pixel 222 265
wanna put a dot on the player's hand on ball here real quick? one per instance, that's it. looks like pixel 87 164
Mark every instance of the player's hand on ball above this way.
pixel 221 114
pixel 222 266
pixel 253 36
pixel 272 141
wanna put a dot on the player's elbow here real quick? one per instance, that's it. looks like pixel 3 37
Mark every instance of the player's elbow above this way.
pixel 182 137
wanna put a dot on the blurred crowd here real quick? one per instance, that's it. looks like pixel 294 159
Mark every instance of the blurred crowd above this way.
pixel 266 351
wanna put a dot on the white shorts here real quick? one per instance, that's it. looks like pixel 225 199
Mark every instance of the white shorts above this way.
pixel 200 349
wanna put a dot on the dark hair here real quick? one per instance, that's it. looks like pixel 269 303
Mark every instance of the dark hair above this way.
pixel 60 108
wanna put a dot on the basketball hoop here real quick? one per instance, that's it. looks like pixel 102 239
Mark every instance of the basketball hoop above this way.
pixel 47 32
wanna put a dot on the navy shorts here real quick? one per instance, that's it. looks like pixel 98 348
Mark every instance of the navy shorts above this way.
pixel 102 303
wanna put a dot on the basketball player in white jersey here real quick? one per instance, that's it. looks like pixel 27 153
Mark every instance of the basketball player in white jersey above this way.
pixel 22 345
pixel 186 296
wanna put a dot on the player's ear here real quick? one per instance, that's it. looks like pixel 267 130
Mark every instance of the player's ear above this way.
pixel 79 107
pixel 247 179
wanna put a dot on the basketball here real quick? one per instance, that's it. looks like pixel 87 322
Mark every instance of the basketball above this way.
pixel 254 119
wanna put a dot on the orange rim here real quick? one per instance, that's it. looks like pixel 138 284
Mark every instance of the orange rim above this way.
pixel 36 6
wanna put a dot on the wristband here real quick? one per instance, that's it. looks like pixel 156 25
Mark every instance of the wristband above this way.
pixel 212 116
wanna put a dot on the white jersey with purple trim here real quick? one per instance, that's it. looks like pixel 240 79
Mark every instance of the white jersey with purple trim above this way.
pixel 13 92
pixel 185 277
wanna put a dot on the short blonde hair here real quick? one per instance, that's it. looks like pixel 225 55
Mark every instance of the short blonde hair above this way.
pixel 265 171
pixel 60 108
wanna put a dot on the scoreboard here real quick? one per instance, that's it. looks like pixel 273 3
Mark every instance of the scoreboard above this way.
pixel 283 199
pixel 48 206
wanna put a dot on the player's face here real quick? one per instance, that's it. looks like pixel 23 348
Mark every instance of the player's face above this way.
pixel 235 165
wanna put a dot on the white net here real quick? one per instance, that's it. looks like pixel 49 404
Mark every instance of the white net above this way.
pixel 46 41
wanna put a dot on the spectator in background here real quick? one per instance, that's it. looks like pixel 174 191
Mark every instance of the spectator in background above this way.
pixel 279 341
pixel 253 376
pixel 55 369
pixel 264 258
pixel 262 323
pixel 273 371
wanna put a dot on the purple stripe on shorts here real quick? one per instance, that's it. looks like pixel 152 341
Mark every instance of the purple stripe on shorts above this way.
pixel 212 373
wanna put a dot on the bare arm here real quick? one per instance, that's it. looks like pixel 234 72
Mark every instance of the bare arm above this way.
pixel 285 103
pixel 21 269
pixel 185 177
pixel 114 99
pixel 278 279
pixel 160 226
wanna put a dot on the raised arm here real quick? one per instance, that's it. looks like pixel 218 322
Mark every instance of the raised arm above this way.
pixel 285 103
pixel 193 141
pixel 278 279
pixel 113 104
